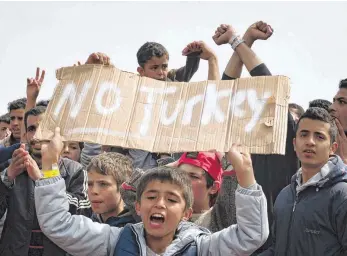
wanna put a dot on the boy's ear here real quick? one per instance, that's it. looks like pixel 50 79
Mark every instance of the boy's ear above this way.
pixel 333 148
pixel 187 214
pixel 141 71
pixel 137 208
pixel 215 187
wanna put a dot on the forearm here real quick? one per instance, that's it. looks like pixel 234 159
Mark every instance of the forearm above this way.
pixel 234 66
pixel 213 69
pixel 247 56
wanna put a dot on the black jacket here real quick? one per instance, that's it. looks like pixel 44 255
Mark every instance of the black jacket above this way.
pixel 312 222
pixel 21 228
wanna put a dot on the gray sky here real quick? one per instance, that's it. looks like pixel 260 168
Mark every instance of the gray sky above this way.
pixel 309 43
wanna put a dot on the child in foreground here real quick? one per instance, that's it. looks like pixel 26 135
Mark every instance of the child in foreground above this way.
pixel 164 202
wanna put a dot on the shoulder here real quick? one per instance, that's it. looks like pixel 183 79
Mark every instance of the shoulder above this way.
pixel 69 166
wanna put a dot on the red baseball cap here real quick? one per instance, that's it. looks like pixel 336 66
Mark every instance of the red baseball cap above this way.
pixel 206 160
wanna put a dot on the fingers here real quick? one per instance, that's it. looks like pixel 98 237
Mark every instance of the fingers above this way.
pixel 42 76
pixel 37 73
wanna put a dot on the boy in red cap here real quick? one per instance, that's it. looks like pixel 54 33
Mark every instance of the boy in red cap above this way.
pixel 213 189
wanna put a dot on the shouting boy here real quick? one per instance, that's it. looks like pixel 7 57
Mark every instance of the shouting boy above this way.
pixel 164 202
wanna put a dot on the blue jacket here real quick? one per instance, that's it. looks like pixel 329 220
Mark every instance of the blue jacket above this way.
pixel 312 219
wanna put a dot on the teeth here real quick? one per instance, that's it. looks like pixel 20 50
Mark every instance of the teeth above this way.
pixel 157 215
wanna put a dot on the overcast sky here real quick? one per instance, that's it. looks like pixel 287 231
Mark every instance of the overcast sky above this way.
pixel 309 43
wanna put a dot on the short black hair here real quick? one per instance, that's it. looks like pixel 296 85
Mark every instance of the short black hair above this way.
pixel 149 50
pixel 343 84
pixel 300 109
pixel 167 174
pixel 323 115
pixel 17 104
pixel 36 111
pixel 5 118
pixel 42 103
pixel 320 103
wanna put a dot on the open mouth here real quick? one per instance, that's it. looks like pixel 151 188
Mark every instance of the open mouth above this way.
pixel 157 218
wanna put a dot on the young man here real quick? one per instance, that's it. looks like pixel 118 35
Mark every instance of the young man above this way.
pixel 21 232
pixel 311 212
pixel 164 201
pixel 213 190
pixel 4 126
pixel 106 173
pixel 16 111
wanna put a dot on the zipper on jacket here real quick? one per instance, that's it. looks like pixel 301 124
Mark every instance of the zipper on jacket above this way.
pixel 291 223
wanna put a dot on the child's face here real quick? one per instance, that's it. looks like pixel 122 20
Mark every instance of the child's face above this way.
pixel 156 68
pixel 162 207
pixel 71 150
pixel 104 194
pixel 4 130
pixel 199 186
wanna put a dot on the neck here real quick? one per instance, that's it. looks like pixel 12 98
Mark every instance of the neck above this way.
pixel 201 208
pixel 159 244
pixel 113 213
pixel 309 172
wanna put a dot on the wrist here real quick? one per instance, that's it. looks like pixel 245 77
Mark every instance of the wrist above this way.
pixel 212 58
pixel 9 174
pixel 248 40
pixel 246 179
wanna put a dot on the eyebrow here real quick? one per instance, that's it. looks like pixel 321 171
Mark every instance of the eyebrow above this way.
pixel 156 191
pixel 340 98
pixel 319 133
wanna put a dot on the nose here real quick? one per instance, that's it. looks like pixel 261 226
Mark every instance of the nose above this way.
pixel 15 121
pixel 310 141
pixel 160 203
pixel 66 149
pixel 332 108
pixel 93 190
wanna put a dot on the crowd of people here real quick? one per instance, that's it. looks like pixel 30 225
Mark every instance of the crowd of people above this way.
pixel 75 198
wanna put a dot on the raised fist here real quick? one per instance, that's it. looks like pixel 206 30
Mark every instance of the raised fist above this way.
pixel 258 31
pixel 201 47
pixel 98 58
pixel 224 34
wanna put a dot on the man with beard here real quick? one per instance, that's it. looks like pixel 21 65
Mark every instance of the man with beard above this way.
pixel 21 233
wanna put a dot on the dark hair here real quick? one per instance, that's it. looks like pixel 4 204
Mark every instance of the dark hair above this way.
pixel 149 50
pixel 320 114
pixel 320 103
pixel 300 109
pixel 117 165
pixel 5 118
pixel 42 103
pixel 36 111
pixel 17 104
pixel 167 174
pixel 343 84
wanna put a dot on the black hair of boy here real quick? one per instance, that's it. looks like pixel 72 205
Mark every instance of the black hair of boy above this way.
pixel 17 104
pixel 320 103
pixel 117 165
pixel 5 118
pixel 36 111
pixel 149 50
pixel 174 176
pixel 320 114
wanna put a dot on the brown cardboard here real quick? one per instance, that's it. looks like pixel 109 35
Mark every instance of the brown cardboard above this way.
pixel 114 110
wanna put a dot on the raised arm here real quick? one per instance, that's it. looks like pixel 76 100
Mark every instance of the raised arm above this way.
pixel 226 34
pixel 257 31
pixel 251 230
pixel 205 53
pixel 75 234
pixel 32 91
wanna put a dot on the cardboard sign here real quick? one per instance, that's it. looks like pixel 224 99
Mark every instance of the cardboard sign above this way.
pixel 102 104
